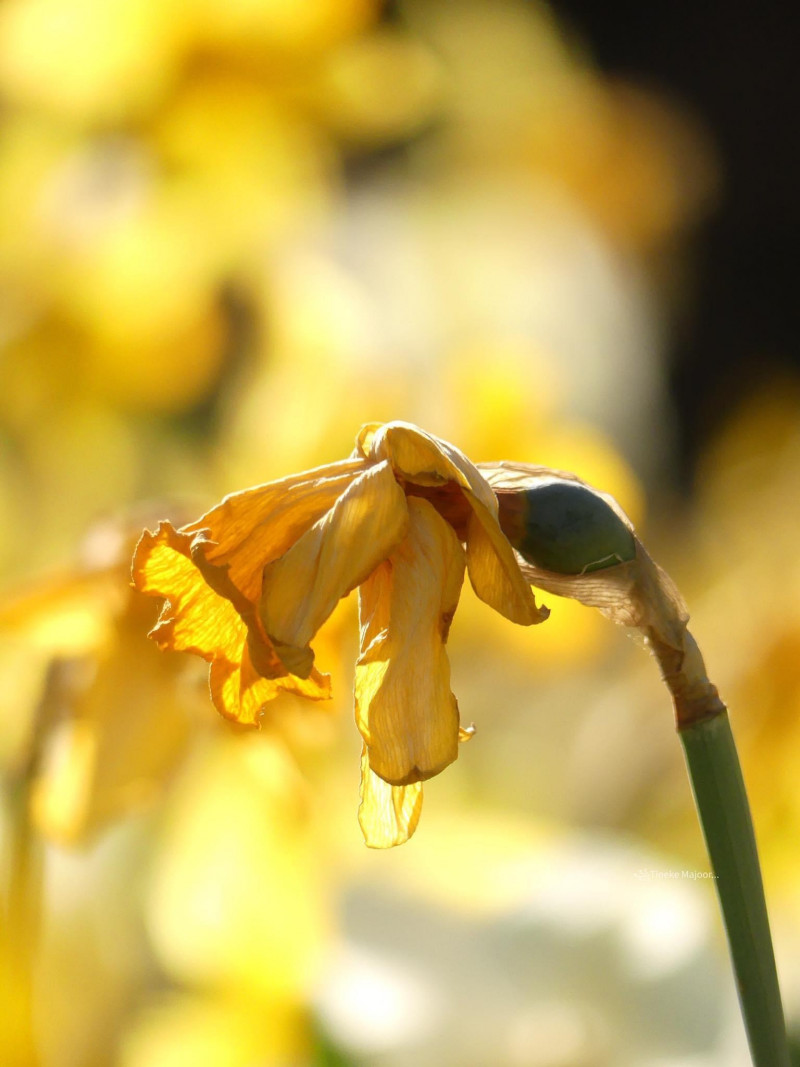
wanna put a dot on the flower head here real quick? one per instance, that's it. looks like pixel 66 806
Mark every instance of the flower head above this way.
pixel 249 584
pixel 106 719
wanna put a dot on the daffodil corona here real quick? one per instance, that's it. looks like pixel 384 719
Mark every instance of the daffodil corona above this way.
pixel 249 584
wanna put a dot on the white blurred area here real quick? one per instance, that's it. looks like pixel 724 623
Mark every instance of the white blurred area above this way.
pixel 579 952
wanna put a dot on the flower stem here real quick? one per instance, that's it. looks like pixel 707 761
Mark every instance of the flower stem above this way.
pixel 724 812
pixel 722 806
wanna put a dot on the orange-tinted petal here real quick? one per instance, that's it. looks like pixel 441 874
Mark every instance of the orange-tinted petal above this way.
pixel 388 814
pixel 302 588
pixel 197 619
pixel 239 692
pixel 426 460
pixel 194 618
pixel 253 527
pixel 404 708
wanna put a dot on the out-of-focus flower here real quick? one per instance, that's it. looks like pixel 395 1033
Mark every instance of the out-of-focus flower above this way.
pixel 109 720
pixel 236 910
pixel 249 584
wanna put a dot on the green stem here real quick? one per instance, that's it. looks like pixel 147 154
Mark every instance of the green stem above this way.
pixel 724 812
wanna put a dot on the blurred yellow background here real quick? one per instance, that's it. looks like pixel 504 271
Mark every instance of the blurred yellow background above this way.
pixel 230 234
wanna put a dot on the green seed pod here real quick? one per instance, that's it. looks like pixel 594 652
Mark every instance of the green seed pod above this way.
pixel 566 527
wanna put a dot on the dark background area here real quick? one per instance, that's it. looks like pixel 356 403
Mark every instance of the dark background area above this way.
pixel 736 67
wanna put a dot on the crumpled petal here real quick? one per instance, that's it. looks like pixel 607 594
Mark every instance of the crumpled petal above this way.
pixel 196 618
pixel 302 588
pixel 424 460
pixel 251 528
pixel 387 814
pixel 405 710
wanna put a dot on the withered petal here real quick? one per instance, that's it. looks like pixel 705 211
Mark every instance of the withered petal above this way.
pixel 253 527
pixel 197 618
pixel 423 459
pixel 387 814
pixel 302 588
pixel 239 692
pixel 405 710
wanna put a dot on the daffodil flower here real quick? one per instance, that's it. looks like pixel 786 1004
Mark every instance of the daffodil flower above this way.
pixel 250 583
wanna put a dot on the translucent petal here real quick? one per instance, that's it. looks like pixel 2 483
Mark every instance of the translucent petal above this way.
pixel 302 588
pixel 404 708
pixel 197 618
pixel 239 692
pixel 388 814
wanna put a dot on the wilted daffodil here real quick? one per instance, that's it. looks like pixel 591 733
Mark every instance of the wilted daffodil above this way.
pixel 250 582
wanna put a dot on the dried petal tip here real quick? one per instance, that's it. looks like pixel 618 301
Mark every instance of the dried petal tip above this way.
pixel 564 526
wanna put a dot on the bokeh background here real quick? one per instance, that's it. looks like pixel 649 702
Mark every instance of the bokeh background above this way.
pixel 229 235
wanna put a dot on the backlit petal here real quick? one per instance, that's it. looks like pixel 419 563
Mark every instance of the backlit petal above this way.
pixel 302 588
pixel 404 708
pixel 254 527
pixel 388 814
pixel 239 692
pixel 196 618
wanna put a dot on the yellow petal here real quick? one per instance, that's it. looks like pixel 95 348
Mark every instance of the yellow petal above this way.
pixel 404 708
pixel 252 528
pixel 302 588
pixel 388 814
pixel 239 692
pixel 426 460
pixel 196 618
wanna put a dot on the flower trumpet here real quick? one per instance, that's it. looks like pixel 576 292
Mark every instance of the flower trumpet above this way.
pixel 248 585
